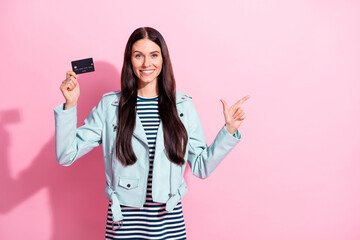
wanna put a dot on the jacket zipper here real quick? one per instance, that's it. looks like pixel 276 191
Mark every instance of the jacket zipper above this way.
pixel 147 168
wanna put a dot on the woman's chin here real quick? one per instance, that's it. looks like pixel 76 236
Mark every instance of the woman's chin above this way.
pixel 146 80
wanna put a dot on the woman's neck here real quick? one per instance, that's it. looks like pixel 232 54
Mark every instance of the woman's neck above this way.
pixel 148 90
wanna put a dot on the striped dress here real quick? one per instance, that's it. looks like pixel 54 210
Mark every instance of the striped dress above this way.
pixel 152 221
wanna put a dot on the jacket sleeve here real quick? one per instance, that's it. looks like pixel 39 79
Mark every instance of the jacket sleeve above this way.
pixel 204 159
pixel 72 143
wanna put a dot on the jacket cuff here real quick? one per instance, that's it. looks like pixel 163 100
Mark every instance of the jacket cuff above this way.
pixel 61 109
pixel 65 119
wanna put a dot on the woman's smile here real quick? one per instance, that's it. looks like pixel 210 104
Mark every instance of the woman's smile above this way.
pixel 147 72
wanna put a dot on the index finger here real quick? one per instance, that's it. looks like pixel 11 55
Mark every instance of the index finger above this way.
pixel 242 100
pixel 70 73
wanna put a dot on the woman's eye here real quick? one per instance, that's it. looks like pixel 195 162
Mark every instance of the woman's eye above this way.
pixel 137 56
pixel 154 55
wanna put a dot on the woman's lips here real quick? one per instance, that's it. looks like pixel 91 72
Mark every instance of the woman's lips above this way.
pixel 147 72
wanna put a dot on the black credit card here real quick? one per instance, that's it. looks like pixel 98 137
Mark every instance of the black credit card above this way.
pixel 83 66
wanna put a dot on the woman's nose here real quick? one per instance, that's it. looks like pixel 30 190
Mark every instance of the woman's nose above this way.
pixel 146 62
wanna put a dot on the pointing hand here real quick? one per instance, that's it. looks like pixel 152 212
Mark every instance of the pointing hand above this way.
pixel 234 115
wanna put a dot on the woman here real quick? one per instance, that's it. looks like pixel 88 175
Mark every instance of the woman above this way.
pixel 148 131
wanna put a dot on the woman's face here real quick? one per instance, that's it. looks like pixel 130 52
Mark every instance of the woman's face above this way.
pixel 146 60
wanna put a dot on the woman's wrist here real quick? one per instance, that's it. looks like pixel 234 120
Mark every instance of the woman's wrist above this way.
pixel 230 129
pixel 69 105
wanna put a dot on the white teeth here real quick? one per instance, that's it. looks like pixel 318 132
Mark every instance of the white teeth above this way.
pixel 148 71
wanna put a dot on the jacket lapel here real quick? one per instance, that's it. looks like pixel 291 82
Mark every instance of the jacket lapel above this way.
pixel 139 131
pixel 159 145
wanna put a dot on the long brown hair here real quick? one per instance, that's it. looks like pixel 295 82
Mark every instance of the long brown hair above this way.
pixel 175 135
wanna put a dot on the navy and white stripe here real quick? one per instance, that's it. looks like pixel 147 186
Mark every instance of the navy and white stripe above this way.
pixel 152 221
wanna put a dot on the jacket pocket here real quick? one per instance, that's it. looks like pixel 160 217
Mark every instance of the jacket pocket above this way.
pixel 128 183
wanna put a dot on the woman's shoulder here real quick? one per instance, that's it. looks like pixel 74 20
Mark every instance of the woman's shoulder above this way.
pixel 111 97
pixel 184 102
pixel 182 97
pixel 112 93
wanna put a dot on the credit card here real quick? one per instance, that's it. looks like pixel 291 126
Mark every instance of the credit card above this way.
pixel 83 65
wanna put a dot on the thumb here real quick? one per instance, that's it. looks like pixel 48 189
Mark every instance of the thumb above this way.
pixel 225 108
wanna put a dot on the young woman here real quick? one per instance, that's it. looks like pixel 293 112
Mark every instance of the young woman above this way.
pixel 148 131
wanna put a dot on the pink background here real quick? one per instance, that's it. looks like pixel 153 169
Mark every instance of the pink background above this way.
pixel 296 173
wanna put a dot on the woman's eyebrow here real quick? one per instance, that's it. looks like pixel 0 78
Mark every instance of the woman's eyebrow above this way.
pixel 150 52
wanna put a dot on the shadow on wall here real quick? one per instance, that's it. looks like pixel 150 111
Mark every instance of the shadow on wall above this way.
pixel 76 196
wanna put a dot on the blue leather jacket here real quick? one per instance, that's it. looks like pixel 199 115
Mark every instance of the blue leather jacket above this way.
pixel 127 185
